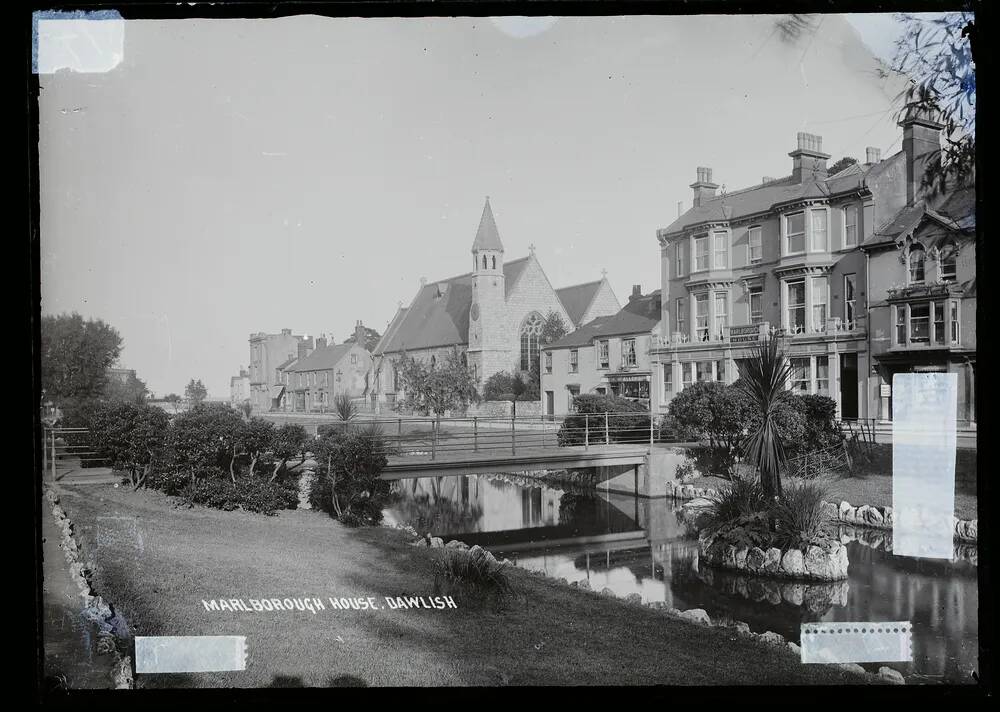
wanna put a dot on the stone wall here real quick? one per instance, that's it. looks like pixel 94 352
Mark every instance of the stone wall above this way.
pixel 503 409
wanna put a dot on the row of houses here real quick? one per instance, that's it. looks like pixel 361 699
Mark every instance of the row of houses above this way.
pixel 862 274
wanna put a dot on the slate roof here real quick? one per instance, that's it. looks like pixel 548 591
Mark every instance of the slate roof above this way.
pixel 762 198
pixel 578 298
pixel 487 236
pixel 288 363
pixel 639 316
pixel 441 318
pixel 956 211
pixel 322 359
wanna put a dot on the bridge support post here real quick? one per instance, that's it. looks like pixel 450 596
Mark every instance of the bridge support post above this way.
pixel 513 448
pixel 586 431
pixel 607 431
pixel 475 434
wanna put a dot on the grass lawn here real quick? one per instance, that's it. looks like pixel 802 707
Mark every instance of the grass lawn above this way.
pixel 872 482
pixel 155 564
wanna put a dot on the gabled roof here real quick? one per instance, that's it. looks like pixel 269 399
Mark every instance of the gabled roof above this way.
pixel 576 299
pixel 390 330
pixel 762 198
pixel 439 314
pixel 487 236
pixel 323 358
pixel 639 316
pixel 956 212
pixel 288 363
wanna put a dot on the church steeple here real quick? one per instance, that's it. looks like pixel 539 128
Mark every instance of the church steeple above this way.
pixel 487 237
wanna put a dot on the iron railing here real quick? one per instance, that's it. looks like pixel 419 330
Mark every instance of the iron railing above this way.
pixel 68 449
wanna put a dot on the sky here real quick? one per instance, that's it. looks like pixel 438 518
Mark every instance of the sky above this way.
pixel 225 177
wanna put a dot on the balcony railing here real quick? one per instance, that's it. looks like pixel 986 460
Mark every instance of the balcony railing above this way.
pixel 752 333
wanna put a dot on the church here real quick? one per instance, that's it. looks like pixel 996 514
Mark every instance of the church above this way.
pixel 493 314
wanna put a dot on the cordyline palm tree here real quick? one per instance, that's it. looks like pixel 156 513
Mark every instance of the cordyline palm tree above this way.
pixel 345 408
pixel 764 378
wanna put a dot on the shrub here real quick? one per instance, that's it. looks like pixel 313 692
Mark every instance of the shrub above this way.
pixel 819 423
pixel 207 436
pixel 250 495
pixel 740 499
pixel 477 572
pixel 130 437
pixel 349 485
pixel 627 422
pixel 290 440
pixel 798 514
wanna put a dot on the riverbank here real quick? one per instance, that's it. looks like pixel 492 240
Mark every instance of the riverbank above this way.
pixel 159 563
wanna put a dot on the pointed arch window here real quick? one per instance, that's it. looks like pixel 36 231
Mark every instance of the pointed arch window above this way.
pixel 916 263
pixel 484 261
pixel 531 331
pixel 494 261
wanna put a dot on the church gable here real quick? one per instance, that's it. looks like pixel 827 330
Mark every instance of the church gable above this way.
pixel 532 294
pixel 605 303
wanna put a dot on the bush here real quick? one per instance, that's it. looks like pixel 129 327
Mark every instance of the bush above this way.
pixel 798 514
pixel 349 485
pixel 130 437
pixel 249 494
pixel 477 572
pixel 740 499
pixel 819 423
pixel 627 422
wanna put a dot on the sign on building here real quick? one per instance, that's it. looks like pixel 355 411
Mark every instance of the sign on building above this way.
pixel 745 334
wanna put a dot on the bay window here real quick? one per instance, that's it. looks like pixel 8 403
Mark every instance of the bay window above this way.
pixel 721 245
pixel 819 291
pixel 701 316
pixel 796 306
pixel 955 323
pixel 820 219
pixel 920 323
pixel 701 253
pixel 795 233
pixel 937 309
pixel 901 324
pixel 721 318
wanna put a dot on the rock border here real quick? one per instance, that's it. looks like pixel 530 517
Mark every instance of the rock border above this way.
pixel 965 530
pixel 109 623
pixel 694 616
pixel 818 563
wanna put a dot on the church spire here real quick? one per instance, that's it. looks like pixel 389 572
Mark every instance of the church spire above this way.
pixel 487 237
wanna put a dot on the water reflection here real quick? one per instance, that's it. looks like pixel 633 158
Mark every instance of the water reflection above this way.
pixel 645 546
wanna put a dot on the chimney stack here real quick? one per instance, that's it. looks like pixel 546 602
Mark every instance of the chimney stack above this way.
pixel 704 188
pixel 305 346
pixel 767 179
pixel 636 292
pixel 922 148
pixel 808 160
pixel 321 342
pixel 286 332
pixel 872 154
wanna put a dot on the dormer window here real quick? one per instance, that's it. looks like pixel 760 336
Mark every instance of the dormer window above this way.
pixel 916 263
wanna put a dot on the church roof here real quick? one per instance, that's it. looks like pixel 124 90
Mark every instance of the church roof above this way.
pixel 577 298
pixel 439 314
pixel 487 236
pixel 639 316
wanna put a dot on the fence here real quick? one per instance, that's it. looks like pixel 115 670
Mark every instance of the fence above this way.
pixel 68 449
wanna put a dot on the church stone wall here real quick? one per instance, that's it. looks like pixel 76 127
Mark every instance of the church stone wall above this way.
pixel 533 292
pixel 605 304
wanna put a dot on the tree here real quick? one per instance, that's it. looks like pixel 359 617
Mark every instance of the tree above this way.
pixel 205 440
pixel 132 391
pixel 937 57
pixel 258 438
pixel 841 164
pixel 290 440
pixel 132 437
pixel 195 391
pixel 345 409
pixel 553 328
pixel 437 388
pixel 371 339
pixel 507 387
pixel 763 378
pixel 716 412
pixel 354 463
pixel 75 357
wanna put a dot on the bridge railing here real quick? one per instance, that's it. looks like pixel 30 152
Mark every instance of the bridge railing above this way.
pixel 443 437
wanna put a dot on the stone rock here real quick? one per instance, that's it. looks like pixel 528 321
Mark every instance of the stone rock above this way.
pixel 456 544
pixel 842 561
pixel 756 591
pixel 794 648
pixel 607 592
pixel 419 542
pixel 697 615
pixel 634 598
pixel 755 559
pixel 562 581
pixel 697 503
pixel 772 560
pixel 974 529
pixel 890 675
pixel 772 638
pixel 887 517
pixel 845 512
pixel 741 558
pixel 853 667
pixel 741 628
pixel 869 516
pixel 657 604
pixel 819 564
pixel 585 584
pixel 792 564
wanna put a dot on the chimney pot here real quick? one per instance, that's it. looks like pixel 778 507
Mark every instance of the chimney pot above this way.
pixel 636 292
pixel 872 154
pixel 767 179
pixel 703 188
pixel 808 159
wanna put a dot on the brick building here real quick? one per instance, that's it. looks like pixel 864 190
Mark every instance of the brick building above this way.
pixel 809 257
pixel 493 314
